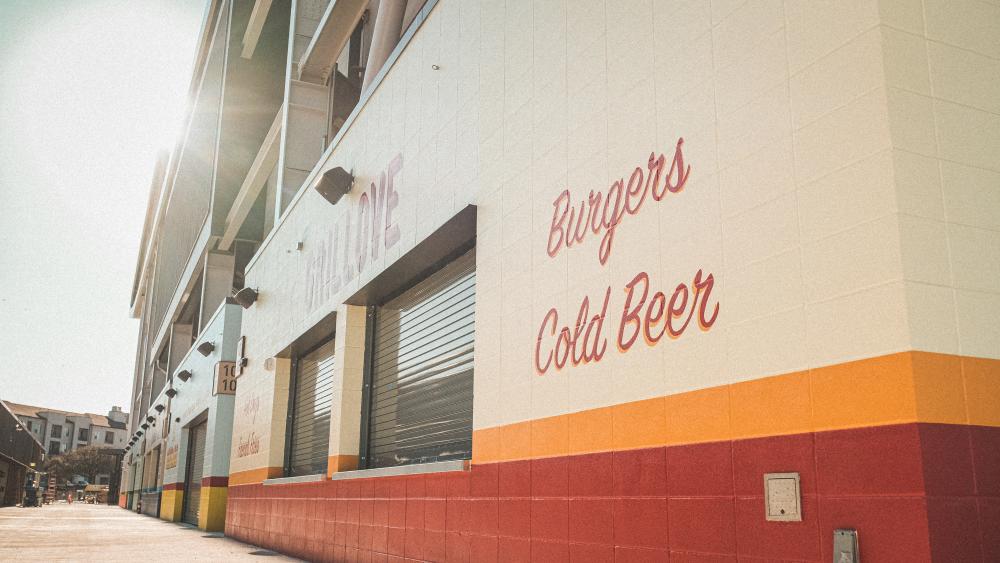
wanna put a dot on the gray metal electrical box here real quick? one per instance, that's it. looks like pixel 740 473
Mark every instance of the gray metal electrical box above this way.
pixel 845 546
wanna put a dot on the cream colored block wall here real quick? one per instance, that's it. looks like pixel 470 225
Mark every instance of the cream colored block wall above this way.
pixel 348 370
pixel 811 154
pixel 260 414
pixel 791 203
pixel 942 61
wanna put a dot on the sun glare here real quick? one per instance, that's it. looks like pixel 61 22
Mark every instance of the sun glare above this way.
pixel 91 92
pixel 130 101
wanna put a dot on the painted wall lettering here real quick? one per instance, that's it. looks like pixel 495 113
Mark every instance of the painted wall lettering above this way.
pixel 652 318
pixel 659 316
pixel 367 230
pixel 170 461
pixel 646 312
pixel 248 445
pixel 582 344
pixel 602 213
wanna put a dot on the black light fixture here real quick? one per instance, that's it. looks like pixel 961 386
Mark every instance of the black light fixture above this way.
pixel 335 184
pixel 171 392
pixel 144 425
pixel 150 419
pixel 245 297
pixel 184 375
pixel 205 348
pixel 158 408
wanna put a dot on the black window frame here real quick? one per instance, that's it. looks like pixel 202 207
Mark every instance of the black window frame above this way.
pixel 290 411
pixel 56 431
pixel 365 457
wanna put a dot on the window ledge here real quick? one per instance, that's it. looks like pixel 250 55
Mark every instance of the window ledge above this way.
pixel 299 479
pixel 415 469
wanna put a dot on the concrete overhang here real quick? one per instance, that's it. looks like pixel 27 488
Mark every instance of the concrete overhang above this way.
pixel 156 186
pixel 260 169
pixel 339 21
pixel 254 27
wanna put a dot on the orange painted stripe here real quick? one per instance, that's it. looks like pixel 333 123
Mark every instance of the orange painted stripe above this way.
pixel 891 389
pixel 338 463
pixel 252 476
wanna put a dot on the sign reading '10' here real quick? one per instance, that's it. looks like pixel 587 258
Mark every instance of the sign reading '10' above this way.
pixel 225 378
pixel 652 317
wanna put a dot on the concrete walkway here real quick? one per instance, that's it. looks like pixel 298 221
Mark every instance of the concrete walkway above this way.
pixel 86 532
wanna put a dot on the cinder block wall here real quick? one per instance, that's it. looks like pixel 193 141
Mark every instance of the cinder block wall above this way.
pixel 841 193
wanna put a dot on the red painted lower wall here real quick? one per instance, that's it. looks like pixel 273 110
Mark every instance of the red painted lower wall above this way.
pixel 914 492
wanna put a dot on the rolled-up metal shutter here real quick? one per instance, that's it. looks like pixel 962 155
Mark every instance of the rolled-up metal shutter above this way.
pixel 421 370
pixel 311 402
pixel 194 473
pixel 151 489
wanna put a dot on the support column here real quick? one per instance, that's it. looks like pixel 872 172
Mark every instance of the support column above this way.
pixel 171 502
pixel 275 454
pixel 212 506
pixel 349 367
pixel 217 284
pixel 304 126
pixel 180 343
pixel 388 25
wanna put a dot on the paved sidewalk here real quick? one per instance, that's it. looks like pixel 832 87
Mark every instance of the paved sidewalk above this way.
pixel 82 532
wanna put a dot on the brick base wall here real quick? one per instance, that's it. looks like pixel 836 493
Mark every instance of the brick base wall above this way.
pixel 914 492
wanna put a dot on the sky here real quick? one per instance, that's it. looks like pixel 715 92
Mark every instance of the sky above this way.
pixel 90 90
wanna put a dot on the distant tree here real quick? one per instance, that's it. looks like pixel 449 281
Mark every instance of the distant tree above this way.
pixel 87 462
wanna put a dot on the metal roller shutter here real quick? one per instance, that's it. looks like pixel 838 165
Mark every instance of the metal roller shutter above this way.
pixel 420 406
pixel 151 493
pixel 194 473
pixel 311 403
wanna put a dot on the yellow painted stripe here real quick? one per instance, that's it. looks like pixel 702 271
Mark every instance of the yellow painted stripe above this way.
pixel 170 504
pixel 212 508
pixel 892 389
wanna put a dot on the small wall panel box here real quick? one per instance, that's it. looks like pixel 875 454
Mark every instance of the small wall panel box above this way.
pixel 782 497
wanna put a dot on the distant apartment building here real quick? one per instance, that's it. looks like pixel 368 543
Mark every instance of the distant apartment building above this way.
pixel 21 454
pixel 61 432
